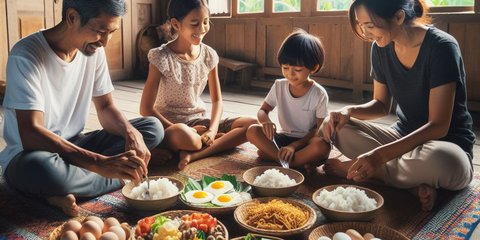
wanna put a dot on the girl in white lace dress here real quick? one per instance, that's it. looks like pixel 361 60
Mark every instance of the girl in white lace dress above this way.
pixel 178 73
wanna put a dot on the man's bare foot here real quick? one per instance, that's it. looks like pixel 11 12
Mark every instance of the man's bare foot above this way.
pixel 160 156
pixel 185 159
pixel 427 196
pixel 67 203
pixel 336 167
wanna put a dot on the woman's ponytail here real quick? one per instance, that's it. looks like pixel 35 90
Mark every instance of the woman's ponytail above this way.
pixel 421 10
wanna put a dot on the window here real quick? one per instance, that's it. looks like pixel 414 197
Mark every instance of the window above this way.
pixel 333 5
pixel 286 6
pixel 450 3
pixel 251 6
pixel 219 7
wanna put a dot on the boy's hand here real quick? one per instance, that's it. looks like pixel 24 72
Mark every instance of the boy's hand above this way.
pixel 286 153
pixel 269 129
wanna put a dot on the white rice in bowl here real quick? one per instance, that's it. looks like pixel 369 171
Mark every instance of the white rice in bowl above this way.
pixel 159 189
pixel 273 178
pixel 347 199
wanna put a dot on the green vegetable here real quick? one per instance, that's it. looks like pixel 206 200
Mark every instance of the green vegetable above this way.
pixel 252 237
pixel 249 237
pixel 201 235
pixel 159 221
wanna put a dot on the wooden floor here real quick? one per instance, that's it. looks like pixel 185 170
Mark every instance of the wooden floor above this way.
pixel 241 103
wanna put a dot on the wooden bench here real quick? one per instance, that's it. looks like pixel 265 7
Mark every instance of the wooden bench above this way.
pixel 232 66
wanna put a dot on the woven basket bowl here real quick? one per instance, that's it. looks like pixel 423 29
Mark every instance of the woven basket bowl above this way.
pixel 379 231
pixel 258 236
pixel 337 215
pixel 153 205
pixel 56 234
pixel 179 214
pixel 240 216
pixel 250 175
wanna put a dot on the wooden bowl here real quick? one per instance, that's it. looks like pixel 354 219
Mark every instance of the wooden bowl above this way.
pixel 153 205
pixel 241 216
pixel 250 175
pixel 379 231
pixel 178 214
pixel 338 215
pixel 258 236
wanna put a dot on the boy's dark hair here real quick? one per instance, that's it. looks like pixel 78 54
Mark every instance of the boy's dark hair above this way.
pixel 415 12
pixel 302 49
pixel 88 9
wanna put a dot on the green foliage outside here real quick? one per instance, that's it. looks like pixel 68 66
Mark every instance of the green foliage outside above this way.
pixel 250 6
pixel 257 6
pixel 446 3
pixel 287 6
pixel 328 5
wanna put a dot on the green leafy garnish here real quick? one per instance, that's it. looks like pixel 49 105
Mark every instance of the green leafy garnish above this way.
pixel 159 221
pixel 207 180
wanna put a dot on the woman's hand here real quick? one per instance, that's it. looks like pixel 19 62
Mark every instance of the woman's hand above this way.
pixel 334 122
pixel 269 129
pixel 365 166
pixel 286 153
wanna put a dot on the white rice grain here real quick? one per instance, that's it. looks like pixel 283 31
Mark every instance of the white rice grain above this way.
pixel 273 178
pixel 347 199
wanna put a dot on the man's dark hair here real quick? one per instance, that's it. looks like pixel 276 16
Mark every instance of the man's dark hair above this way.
pixel 88 9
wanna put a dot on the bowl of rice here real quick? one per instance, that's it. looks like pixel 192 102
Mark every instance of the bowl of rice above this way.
pixel 271 181
pixel 163 193
pixel 348 202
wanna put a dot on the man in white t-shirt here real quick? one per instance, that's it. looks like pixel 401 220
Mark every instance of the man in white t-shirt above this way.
pixel 53 76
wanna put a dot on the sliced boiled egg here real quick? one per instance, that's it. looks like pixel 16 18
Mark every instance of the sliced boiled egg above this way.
pixel 197 196
pixel 219 187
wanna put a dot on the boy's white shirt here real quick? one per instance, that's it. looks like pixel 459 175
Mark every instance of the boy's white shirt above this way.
pixel 297 116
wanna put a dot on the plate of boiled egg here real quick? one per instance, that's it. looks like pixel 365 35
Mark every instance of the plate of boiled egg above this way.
pixel 215 195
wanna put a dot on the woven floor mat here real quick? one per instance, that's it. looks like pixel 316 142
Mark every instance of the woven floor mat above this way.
pixel 455 216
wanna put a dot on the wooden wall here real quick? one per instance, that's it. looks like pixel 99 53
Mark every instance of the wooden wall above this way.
pixel 347 63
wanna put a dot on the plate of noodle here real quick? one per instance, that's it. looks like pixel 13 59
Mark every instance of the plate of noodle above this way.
pixel 275 216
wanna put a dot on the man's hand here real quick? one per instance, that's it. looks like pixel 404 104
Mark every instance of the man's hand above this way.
pixel 134 141
pixel 126 165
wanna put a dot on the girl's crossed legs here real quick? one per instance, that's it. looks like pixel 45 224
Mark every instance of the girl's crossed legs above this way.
pixel 183 138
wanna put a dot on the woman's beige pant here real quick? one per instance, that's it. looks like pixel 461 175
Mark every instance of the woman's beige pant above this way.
pixel 435 163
